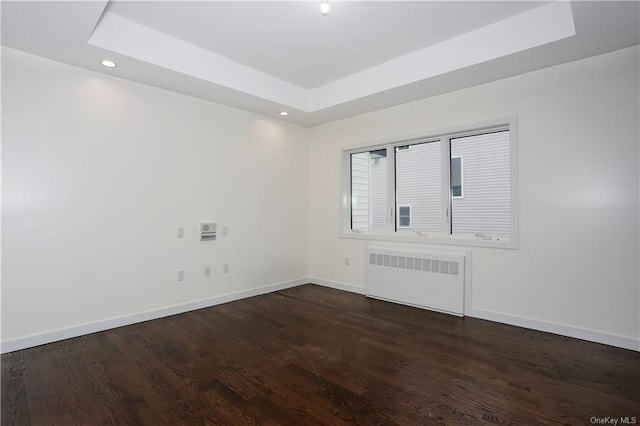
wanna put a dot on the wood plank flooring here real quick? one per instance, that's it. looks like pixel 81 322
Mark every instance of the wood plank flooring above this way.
pixel 312 355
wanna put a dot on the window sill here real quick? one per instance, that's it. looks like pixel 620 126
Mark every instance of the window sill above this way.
pixel 430 239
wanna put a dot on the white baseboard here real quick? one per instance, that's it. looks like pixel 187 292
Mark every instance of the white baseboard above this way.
pixel 518 321
pixel 336 285
pixel 556 328
pixel 93 327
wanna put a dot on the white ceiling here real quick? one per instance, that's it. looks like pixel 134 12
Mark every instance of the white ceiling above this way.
pixel 296 44
pixel 268 56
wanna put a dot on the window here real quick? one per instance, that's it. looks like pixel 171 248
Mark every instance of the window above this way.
pixel 455 187
pixel 369 190
pixel 418 182
pixel 485 211
pixel 404 216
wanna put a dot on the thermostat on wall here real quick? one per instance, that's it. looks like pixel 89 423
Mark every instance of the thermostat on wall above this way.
pixel 207 231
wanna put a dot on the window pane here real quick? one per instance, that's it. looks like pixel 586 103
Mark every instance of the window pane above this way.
pixel 419 183
pixel 369 190
pixel 486 206
pixel 404 216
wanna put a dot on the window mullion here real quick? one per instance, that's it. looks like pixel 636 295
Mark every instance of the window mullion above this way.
pixel 391 188
pixel 446 185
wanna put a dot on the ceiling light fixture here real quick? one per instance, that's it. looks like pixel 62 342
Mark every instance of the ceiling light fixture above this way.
pixel 284 113
pixel 324 7
pixel 109 64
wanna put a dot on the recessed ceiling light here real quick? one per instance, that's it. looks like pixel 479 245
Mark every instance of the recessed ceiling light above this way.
pixel 109 64
pixel 284 113
pixel 324 7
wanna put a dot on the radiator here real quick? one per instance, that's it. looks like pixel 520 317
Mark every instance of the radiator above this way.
pixel 427 280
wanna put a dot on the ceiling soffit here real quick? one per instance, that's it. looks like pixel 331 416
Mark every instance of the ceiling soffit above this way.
pixel 506 37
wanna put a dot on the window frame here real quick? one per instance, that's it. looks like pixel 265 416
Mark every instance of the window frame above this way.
pixel 444 136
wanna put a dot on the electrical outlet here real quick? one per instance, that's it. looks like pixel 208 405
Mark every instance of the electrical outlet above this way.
pixel 207 271
pixel 180 233
pixel 225 230
pixel 225 268
pixel 346 261
pixel 180 275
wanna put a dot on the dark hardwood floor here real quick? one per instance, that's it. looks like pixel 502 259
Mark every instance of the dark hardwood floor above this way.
pixel 312 355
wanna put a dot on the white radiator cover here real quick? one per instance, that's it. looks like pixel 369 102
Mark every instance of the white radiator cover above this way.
pixel 424 279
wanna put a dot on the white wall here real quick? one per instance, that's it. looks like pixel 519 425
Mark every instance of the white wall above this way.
pixel 576 271
pixel 97 174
